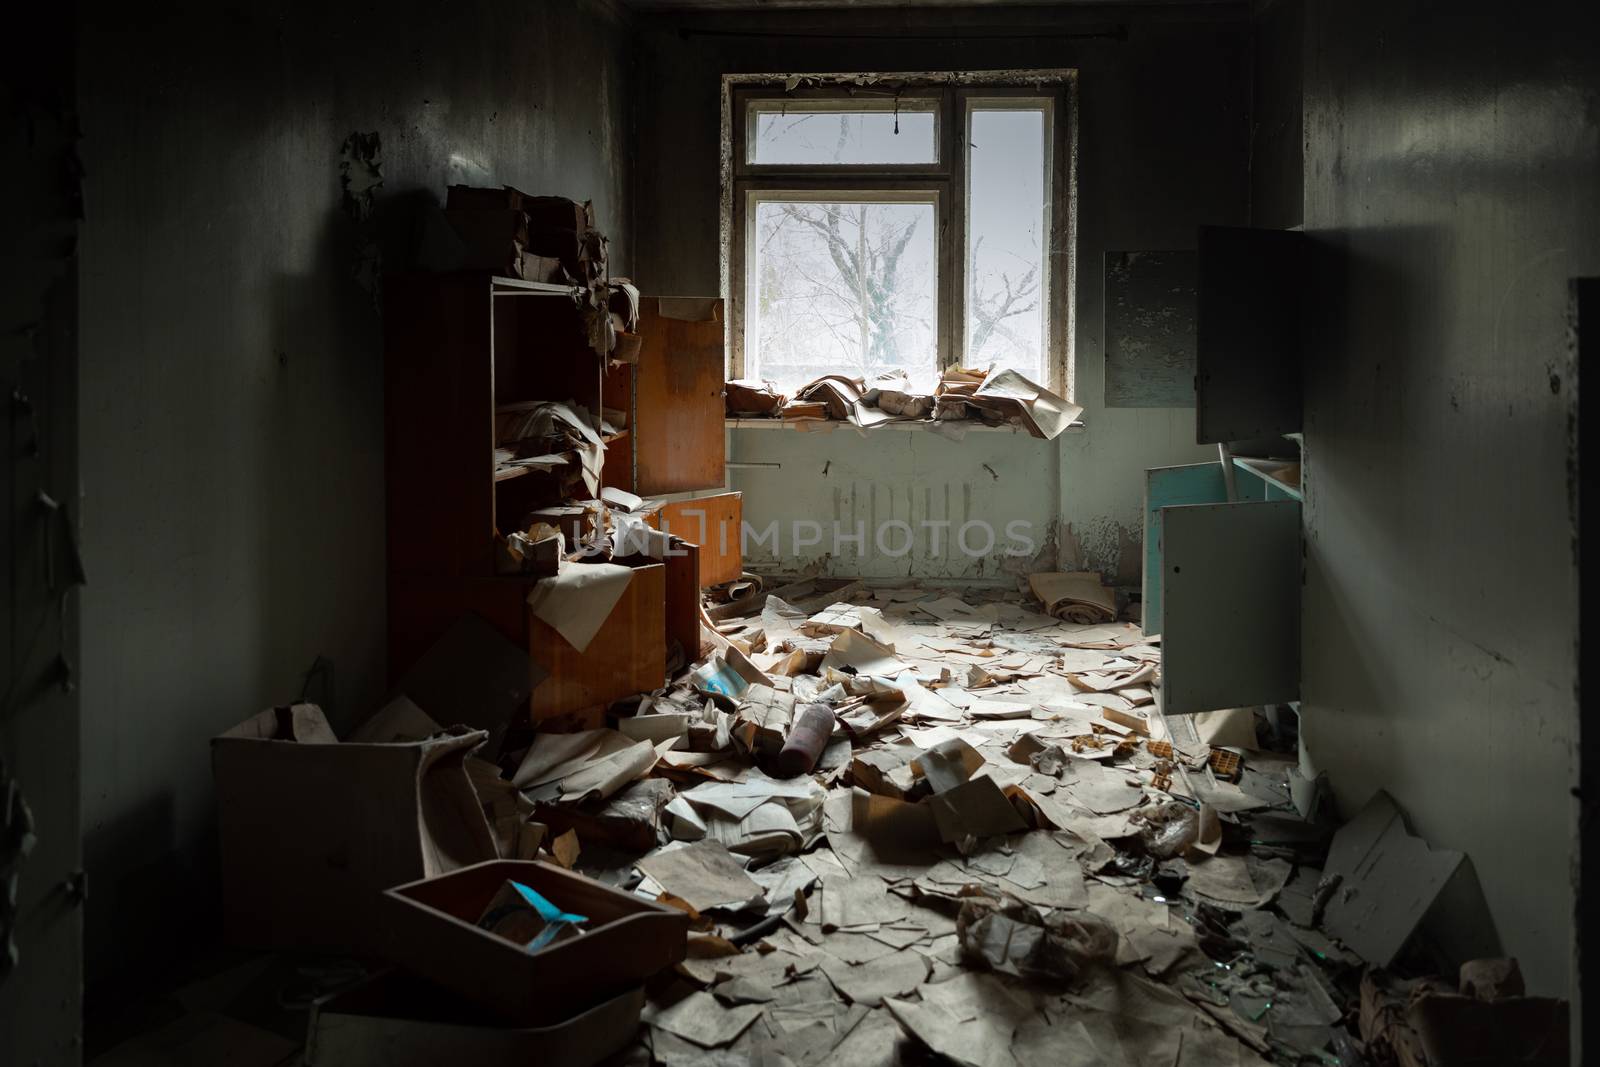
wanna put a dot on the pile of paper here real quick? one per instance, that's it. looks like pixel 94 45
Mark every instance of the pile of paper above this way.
pixel 1000 856
pixel 1077 597
pixel 757 816
pixel 994 396
pixel 838 392
pixel 747 396
pixel 956 386
pixel 548 436
pixel 582 766
pixel 1010 396
pixel 893 395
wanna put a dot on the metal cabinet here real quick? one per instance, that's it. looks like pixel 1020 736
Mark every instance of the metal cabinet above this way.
pixel 1222 585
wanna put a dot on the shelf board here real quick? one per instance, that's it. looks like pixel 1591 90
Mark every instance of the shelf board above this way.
pixel 1266 469
pixel 517 287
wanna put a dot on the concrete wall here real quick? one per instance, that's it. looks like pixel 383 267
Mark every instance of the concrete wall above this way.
pixel 41 918
pixel 232 405
pixel 1451 165
pixel 1163 148
pixel 1277 131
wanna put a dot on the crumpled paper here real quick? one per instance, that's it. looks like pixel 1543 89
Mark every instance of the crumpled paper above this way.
pixel 1015 938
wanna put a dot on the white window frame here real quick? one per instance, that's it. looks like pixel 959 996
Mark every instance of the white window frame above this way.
pixel 954 98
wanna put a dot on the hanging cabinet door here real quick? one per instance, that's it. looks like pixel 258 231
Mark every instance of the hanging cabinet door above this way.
pixel 1230 605
pixel 1248 333
pixel 1194 483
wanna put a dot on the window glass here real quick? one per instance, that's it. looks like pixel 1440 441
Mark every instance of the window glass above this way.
pixel 1007 234
pixel 841 287
pixel 787 134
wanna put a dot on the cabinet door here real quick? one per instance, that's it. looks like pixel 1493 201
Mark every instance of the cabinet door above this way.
pixel 1248 333
pixel 679 435
pixel 1195 483
pixel 1230 605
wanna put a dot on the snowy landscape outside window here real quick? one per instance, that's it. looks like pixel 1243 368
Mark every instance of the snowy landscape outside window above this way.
pixel 904 228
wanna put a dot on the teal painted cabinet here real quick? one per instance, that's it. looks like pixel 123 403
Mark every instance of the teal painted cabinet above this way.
pixel 1222 584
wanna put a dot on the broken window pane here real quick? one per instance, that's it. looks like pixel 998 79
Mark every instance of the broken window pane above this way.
pixel 784 133
pixel 841 287
pixel 1007 235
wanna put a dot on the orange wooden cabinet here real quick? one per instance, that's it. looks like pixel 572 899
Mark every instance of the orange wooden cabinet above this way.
pixel 713 521
pixel 681 440
pixel 460 344
pixel 628 655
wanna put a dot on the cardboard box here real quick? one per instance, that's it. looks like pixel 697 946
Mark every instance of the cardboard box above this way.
pixel 628 347
pixel 471 198
pixel 431 929
pixel 490 240
pixel 395 1020
pixel 564 246
pixel 472 676
pixel 559 213
pixel 313 830
pixel 582 254
pixel 543 269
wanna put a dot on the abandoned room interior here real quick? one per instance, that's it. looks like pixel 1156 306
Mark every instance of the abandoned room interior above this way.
pixel 796 532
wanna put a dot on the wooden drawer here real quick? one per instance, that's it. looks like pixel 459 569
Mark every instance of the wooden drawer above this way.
pixel 628 655
pixel 431 928
pixel 714 522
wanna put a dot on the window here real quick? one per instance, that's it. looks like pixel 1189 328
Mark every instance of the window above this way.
pixel 899 225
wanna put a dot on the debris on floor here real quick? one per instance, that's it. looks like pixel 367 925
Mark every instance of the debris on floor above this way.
pixel 873 823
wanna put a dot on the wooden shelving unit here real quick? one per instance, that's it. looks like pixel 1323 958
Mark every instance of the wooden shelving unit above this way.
pixel 458 346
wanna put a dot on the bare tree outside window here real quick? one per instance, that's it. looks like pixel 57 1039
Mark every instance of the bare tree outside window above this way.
pixel 845 288
pixel 1006 228
pixel 839 137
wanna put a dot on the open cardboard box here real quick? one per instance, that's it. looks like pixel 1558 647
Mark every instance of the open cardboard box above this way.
pixel 395 1020
pixel 312 830
pixel 430 928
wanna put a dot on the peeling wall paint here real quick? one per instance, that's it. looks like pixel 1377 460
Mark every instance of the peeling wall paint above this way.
pixel 1102 544
pixel 361 179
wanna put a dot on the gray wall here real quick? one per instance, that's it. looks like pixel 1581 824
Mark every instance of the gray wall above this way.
pixel 41 920
pixel 1277 132
pixel 1452 160
pixel 1163 148
pixel 232 404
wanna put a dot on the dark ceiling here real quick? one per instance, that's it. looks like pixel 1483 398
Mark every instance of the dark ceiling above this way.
pixel 773 5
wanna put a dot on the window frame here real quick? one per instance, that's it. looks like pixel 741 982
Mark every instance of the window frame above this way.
pixel 823 100
pixel 957 96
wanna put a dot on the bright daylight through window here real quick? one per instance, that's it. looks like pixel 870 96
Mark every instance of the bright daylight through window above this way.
pixel 885 230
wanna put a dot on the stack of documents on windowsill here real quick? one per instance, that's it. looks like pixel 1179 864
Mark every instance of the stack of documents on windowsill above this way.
pixel 996 396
